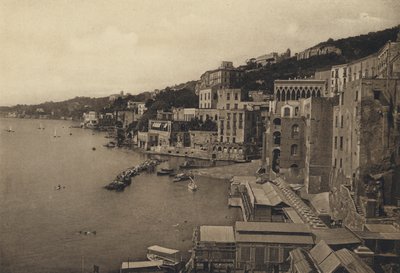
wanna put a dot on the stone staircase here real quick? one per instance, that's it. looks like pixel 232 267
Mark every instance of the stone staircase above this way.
pixel 357 205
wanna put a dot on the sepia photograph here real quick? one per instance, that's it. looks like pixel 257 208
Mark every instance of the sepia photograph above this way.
pixel 200 136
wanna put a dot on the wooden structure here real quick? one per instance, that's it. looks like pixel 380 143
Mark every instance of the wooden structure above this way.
pixel 265 246
pixel 214 248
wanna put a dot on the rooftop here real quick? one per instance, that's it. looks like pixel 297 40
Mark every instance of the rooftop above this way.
pixel 336 236
pixel 219 234
pixel 142 264
pixel 162 249
pixel 271 227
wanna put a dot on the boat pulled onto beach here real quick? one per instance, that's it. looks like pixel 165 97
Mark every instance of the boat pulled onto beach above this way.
pixel 124 179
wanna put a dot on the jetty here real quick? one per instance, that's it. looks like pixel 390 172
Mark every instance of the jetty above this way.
pixel 124 178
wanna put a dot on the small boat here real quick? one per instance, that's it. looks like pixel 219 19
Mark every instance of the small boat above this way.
pixel 192 185
pixel 182 177
pixel 165 171
pixel 55 133
pixel 110 145
pixel 169 257
pixel 10 130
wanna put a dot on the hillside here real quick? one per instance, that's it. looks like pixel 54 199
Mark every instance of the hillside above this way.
pixel 353 48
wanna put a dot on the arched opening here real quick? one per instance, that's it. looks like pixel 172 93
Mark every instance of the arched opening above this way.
pixel 276 153
pixel 298 95
pixel 294 150
pixel 277 121
pixel 220 149
pixel 308 94
pixel 287 95
pixel 278 95
pixel 318 94
pixel 303 94
pixel 286 112
pixel 283 96
pixel 313 93
pixel 293 95
pixel 277 138
pixel 294 169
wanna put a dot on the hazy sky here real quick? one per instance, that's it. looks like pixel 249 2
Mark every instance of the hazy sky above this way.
pixel 55 50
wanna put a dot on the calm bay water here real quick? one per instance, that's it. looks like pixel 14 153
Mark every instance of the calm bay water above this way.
pixel 39 226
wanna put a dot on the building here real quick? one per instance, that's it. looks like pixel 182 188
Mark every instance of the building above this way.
pixel 321 258
pixel 269 58
pixel 317 51
pixel 317 138
pixel 366 144
pixel 265 246
pixel 184 114
pixel 202 140
pixel 259 202
pixel 90 119
pixel 226 76
pixel 169 133
pixel 214 248
pixel 138 108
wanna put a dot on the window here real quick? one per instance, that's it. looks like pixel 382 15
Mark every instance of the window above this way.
pixel 341 121
pixel 340 163
pixel 234 140
pixel 236 106
pixel 209 95
pixel 293 149
pixel 227 139
pixel 356 95
pixel 341 143
pixel 342 98
pixel 201 96
pixel 377 95
pixel 228 116
pixel 228 106
pixel 277 138
pixel 295 130
pixel 228 124
pixel 336 121
pixel 236 96
pixel 334 163
pixel 335 142
pixel 286 112
pixel 228 96
pixel 296 111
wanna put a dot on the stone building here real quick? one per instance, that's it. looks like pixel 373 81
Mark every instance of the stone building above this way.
pixel 226 76
pixel 317 51
pixel 366 144
pixel 317 116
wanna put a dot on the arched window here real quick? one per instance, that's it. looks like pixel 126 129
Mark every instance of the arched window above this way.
pixel 288 95
pixel 278 95
pixel 295 130
pixel 293 95
pixel 283 96
pixel 296 111
pixel 293 150
pixel 308 94
pixel 277 121
pixel 277 138
pixel 286 112
pixel 318 94
pixel 298 95
pixel 303 94
pixel 219 149
pixel 313 93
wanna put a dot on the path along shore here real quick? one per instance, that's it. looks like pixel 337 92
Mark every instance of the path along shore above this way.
pixel 227 172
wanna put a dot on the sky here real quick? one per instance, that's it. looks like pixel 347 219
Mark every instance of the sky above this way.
pixel 56 50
